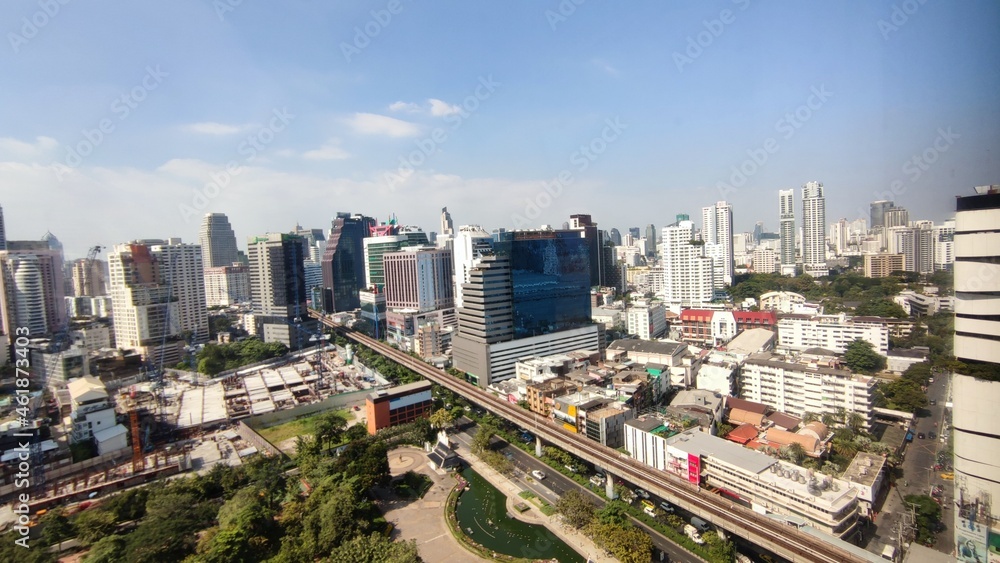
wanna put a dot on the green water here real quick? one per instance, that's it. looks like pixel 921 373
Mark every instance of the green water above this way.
pixel 482 509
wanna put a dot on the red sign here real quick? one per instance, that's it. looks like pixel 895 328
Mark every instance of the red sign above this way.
pixel 694 469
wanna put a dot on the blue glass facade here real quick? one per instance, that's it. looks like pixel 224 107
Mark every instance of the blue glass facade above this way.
pixel 550 276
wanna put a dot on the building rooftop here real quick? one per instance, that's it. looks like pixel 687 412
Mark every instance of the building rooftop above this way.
pixel 703 444
pixel 697 398
pixel 783 420
pixel 750 341
pixel 908 353
pixel 646 346
pixel 401 390
pixel 749 406
pixel 784 362
pixel 864 469
pixel 742 434
pixel 85 389
pixel 646 423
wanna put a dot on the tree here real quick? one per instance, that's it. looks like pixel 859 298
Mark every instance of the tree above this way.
pixel 625 494
pixel 56 527
pixel 904 395
pixel 881 308
pixel 92 525
pixel 856 421
pixel 576 508
pixel 928 513
pixel 614 512
pixel 329 429
pixel 375 548
pixel 861 357
pixel 441 419
pixel 109 549
pixel 481 441
pixel 626 542
pixel 794 453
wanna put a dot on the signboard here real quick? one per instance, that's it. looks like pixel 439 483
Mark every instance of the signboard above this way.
pixel 994 546
pixel 694 469
pixel 970 541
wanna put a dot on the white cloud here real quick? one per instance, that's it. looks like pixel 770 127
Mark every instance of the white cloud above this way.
pixel 441 109
pixel 605 66
pixel 215 128
pixel 408 107
pixel 15 149
pixel 374 124
pixel 329 151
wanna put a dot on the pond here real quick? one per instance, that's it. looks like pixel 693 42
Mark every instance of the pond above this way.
pixel 482 515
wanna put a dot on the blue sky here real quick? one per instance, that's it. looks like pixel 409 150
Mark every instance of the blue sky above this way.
pixel 478 106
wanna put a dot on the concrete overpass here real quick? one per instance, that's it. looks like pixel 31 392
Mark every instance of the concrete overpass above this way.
pixel 783 540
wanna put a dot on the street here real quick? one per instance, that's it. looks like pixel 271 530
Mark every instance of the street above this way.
pixel 555 484
pixel 918 473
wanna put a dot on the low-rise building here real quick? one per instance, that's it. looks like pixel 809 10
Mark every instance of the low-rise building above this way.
pixel 922 305
pixel 606 316
pixel 763 483
pixel 866 472
pixel 900 359
pixel 804 384
pixel 647 319
pixel 781 301
pixel 883 265
pixel 832 332
pixel 90 409
pixel 540 396
pixel 717 374
pixel 698 405
pixel 398 405
pixel 599 417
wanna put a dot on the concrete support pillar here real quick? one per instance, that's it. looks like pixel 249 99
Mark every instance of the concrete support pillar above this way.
pixel 538 446
pixel 609 484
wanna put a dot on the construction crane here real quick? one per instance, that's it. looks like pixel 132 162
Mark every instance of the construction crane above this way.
pixel 88 267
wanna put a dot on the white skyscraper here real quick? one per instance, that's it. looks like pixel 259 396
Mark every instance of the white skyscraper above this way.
pixel 717 233
pixel 944 237
pixel 218 242
pixel 687 272
pixel 471 242
pixel 146 318
pixel 447 226
pixel 787 230
pixel 186 276
pixel 814 230
pixel 26 293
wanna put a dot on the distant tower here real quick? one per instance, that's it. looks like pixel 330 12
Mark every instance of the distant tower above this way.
pixel 447 226
pixel 3 232
pixel 28 295
pixel 717 233
pixel 651 238
pixel 278 287
pixel 787 230
pixel 218 241
pixel 814 230
pixel 878 209
pixel 616 237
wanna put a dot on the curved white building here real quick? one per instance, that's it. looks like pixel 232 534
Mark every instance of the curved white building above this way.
pixel 28 293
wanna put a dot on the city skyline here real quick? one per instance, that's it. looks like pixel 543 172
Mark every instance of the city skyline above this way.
pixel 875 104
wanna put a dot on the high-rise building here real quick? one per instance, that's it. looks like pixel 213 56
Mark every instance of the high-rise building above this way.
pixel 447 225
pixel 688 275
pixel 343 262
pixel 218 241
pixel 90 282
pixel 944 254
pixel 419 278
pixel 375 247
pixel 883 265
pixel 146 308
pixel 595 245
pixel 615 236
pixel 758 230
pixel 25 294
pixel 227 285
pixel 840 236
pixel 976 387
pixel 896 217
pixel 634 231
pixel 916 244
pixel 532 296
pixel 186 276
pixel 3 232
pixel 764 260
pixel 49 263
pixel 878 209
pixel 786 200
pixel 651 237
pixel 717 234
pixel 278 288
pixel 814 230
pixel 470 245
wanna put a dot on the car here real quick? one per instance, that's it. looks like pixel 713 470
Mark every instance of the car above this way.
pixel 570 468
pixel 357 408
pixel 933 402
pixel 931 380
pixel 538 474
pixel 921 436
pixel 641 493
pixel 932 435
pixel 596 480
pixel 667 507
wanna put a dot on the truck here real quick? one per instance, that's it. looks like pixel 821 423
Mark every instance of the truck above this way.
pixel 692 532
pixel 889 552
pixel 699 524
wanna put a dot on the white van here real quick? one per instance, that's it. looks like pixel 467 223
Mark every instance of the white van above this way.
pixel 889 552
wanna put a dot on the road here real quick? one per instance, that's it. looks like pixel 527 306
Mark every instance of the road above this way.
pixel 919 475
pixel 556 484
pixel 787 542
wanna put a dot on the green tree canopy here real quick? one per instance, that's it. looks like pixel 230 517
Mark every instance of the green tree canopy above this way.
pixel 881 307
pixel 862 358
pixel 576 509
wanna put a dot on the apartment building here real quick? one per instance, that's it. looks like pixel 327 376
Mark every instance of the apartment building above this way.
pixel 797 332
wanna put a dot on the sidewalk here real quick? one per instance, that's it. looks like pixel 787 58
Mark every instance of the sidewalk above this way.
pixel 581 543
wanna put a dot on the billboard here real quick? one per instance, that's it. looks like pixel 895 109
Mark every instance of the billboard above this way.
pixel 970 541
pixel 694 469
pixel 993 545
